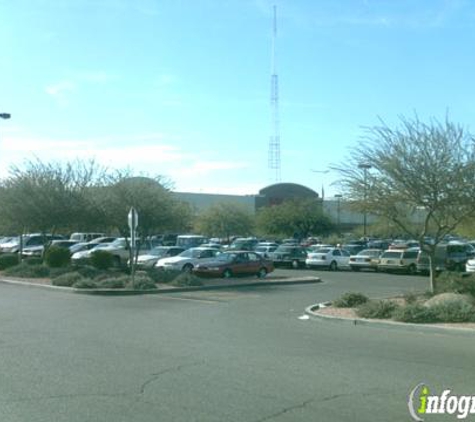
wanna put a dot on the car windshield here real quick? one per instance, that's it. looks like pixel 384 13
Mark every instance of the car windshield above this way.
pixel 390 254
pixel 158 251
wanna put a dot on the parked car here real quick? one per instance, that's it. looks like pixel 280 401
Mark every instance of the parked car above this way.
pixel 367 259
pixel 452 256
pixel 235 263
pixel 119 249
pixel 187 241
pixel 265 249
pixel 85 246
pixel 38 251
pixel 400 244
pixel 150 258
pixel 85 237
pixel 243 244
pixel 399 260
pixel 289 255
pixel 186 260
pixel 329 258
pixel 28 240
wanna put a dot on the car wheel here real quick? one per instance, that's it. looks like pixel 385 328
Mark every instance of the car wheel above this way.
pixel 355 268
pixel 333 266
pixel 262 273
pixel 227 273
pixel 187 268
pixel 412 269
pixel 295 264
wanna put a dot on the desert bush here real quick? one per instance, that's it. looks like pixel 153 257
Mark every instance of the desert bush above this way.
pixel 102 260
pixel 187 279
pixel 453 308
pixel 350 300
pixel 88 271
pixel 57 256
pixel 8 260
pixel 456 282
pixel 112 282
pixel 141 282
pixel 410 297
pixel 85 283
pixel 33 261
pixel 383 309
pixel 415 313
pixel 162 276
pixel 28 271
pixel 67 280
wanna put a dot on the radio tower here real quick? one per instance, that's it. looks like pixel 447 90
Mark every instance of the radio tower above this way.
pixel 274 141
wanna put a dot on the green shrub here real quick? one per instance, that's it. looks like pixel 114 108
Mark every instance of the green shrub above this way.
pixel 102 260
pixel 187 279
pixel 456 282
pixel 415 313
pixel 85 283
pixel 88 271
pixel 28 271
pixel 410 297
pixel 8 260
pixel 112 282
pixel 33 261
pixel 454 311
pixel 383 309
pixel 67 280
pixel 56 272
pixel 141 282
pixel 162 276
pixel 57 256
pixel 350 300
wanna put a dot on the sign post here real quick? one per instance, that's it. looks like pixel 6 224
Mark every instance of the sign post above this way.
pixel 133 220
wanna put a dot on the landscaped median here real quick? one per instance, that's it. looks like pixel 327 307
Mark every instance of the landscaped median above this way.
pixel 452 306
pixel 90 280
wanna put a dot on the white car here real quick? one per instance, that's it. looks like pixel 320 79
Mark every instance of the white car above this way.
pixel 329 258
pixel 187 259
pixel 149 259
pixel 470 266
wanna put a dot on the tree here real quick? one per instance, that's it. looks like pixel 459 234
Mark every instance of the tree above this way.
pixel 48 197
pixel 421 170
pixel 299 218
pixel 225 220
pixel 157 211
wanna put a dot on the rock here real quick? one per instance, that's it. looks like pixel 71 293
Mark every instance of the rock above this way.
pixel 448 297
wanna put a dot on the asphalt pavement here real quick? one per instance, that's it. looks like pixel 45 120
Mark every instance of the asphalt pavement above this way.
pixel 240 354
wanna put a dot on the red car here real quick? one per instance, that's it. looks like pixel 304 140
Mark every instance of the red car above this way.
pixel 235 263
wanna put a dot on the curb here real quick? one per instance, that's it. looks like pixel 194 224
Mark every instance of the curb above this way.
pixel 405 326
pixel 123 292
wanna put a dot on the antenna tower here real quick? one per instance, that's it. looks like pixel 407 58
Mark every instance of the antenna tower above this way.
pixel 274 141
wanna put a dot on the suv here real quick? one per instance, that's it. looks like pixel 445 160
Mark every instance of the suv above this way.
pixel 399 260
pixel 448 256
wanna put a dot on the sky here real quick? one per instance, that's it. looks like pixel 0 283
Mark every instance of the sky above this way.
pixel 182 88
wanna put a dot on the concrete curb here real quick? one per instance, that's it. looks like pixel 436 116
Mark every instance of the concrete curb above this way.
pixel 124 292
pixel 406 326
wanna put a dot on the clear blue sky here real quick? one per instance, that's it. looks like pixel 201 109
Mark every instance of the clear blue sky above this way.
pixel 181 88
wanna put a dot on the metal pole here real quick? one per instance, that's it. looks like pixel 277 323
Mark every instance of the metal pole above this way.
pixel 365 168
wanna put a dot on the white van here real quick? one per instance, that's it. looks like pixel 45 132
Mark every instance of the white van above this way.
pixel 187 241
pixel 85 237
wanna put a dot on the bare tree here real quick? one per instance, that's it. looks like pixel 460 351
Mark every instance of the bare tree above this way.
pixel 416 167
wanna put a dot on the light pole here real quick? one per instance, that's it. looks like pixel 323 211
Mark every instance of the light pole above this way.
pixel 365 167
pixel 338 199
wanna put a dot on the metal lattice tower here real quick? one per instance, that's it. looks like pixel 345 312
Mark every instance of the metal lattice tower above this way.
pixel 274 141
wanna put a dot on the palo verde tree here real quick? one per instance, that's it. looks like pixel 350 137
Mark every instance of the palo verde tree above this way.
pixel 225 220
pixel 423 169
pixel 300 218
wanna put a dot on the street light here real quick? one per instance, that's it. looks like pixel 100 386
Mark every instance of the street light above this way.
pixel 5 115
pixel 338 199
pixel 365 167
